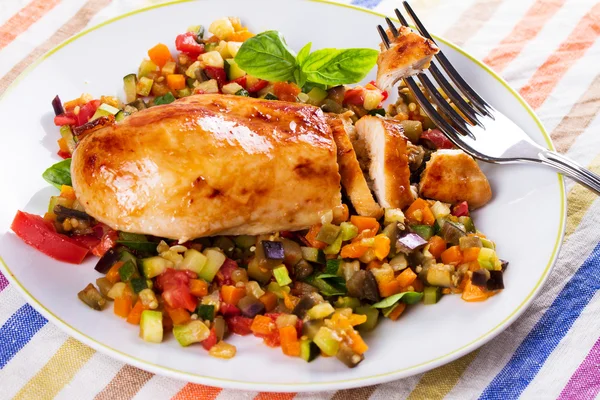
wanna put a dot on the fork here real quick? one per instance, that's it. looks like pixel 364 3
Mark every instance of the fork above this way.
pixel 479 129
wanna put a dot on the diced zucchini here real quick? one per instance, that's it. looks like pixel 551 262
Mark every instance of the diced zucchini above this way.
pixel 169 68
pixel 488 259
pixel 104 110
pixel 234 71
pixel 129 84
pixel 440 210
pixel 59 201
pixel 488 244
pixel 316 96
pixel 210 86
pixel 212 59
pixel 347 302
pixel 308 350
pixel 335 247
pixel 412 130
pixel 233 48
pixel 282 276
pixel 242 92
pixel 125 256
pixel 439 275
pixel 191 70
pixel 349 231
pixel 151 326
pixel 144 86
pixel 320 311
pixel 214 260
pixel 184 92
pixel 328 233
pixel 154 266
pixel 313 255
pixel 467 223
pixel 425 231
pixel 372 318
pixel 244 241
pixel 67 134
pixel 146 67
pixel 231 88
pixel 128 271
pixel 270 96
pixel 393 215
pixel 117 290
pixel 399 262
pixel 138 284
pixel 277 290
pixel 326 341
pixel 206 312
pixel 431 294
pixel 132 237
pixel 193 260
pixel 193 332
pixel 120 116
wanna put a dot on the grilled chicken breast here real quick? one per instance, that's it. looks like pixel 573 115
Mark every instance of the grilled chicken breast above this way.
pixel 353 180
pixel 386 148
pixel 453 176
pixel 210 164
pixel 409 54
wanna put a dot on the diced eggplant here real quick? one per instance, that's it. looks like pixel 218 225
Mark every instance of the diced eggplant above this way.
pixel 250 306
pixel 63 213
pixel 220 327
pixel 104 285
pixel 466 242
pixel 291 251
pixel 410 242
pixel 107 261
pixel 363 286
pixel 480 277
pixel 451 232
pixel 225 244
pixel 303 269
pixel 440 275
pixel 273 250
pixel 504 264
pixel 244 241
pixel 92 297
pixel 57 106
pixel 255 271
pixel 301 289
pixel 306 303
pixel 310 328
pixel 496 281
pixel 348 356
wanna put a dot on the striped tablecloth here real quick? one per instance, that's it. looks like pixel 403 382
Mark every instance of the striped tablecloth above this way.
pixel 547 49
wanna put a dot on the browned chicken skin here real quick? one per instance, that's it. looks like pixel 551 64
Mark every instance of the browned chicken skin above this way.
pixel 210 164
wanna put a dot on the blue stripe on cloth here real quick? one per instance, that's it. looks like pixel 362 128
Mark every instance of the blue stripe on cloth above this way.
pixel 366 3
pixel 18 331
pixel 547 332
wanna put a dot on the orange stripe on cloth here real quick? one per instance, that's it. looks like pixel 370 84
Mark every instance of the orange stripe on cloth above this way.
pixel 193 391
pixel 275 396
pixel 539 87
pixel 472 20
pixel 71 27
pixel 526 29
pixel 362 393
pixel 125 384
pixel 579 118
pixel 22 20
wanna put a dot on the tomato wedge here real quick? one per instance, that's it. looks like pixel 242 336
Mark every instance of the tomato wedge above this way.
pixel 36 232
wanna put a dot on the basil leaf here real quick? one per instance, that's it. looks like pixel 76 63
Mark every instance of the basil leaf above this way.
pixel 267 56
pixel 299 77
pixel 406 297
pixel 333 287
pixel 166 99
pixel 59 174
pixel 338 67
pixel 325 276
pixel 303 53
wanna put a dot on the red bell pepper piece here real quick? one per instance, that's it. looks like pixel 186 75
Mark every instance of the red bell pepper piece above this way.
pixel 186 43
pixel 437 137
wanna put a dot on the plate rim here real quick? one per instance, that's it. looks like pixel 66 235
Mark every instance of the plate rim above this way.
pixel 300 387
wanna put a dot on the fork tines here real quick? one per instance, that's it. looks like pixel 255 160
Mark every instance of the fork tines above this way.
pixel 468 103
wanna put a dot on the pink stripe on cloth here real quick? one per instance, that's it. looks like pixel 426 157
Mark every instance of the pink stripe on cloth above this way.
pixel 585 382
pixel 3 282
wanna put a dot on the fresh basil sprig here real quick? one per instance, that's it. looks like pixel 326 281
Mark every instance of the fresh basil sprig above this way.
pixel 267 56
pixel 59 174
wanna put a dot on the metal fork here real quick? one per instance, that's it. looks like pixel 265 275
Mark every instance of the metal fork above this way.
pixel 481 130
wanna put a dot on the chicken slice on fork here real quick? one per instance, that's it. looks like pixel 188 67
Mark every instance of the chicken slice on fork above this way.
pixel 353 180
pixel 386 147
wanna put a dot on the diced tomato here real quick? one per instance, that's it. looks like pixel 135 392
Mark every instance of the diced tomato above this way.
pixel 108 241
pixel 437 137
pixel 239 325
pixel 87 241
pixel 229 310
pixel 86 111
pixel 461 209
pixel 241 81
pixel 261 84
pixel 186 43
pixel 176 290
pixel 271 340
pixel 67 118
pixel 63 154
pixel 224 274
pixel 216 73
pixel 355 96
pixel 36 232
pixel 211 340
pixel 286 91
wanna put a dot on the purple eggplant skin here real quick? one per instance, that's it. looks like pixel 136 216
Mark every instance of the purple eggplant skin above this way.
pixel 250 307
pixel 57 106
pixel 107 261
pixel 410 242
pixel 273 250
pixel 480 277
pixel 496 281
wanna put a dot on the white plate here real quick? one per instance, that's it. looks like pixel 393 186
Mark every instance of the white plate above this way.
pixel 526 217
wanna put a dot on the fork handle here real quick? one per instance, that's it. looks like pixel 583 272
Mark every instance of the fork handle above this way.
pixel 571 169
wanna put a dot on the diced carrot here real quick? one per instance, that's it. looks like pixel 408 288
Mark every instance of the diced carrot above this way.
pixel 113 273
pixel 240 36
pixel 374 264
pixel 396 312
pixel 381 246
pixel 471 254
pixel 363 223
pixel 289 341
pixel 474 266
pixel 452 256
pixel 419 213
pixel 50 217
pixel 358 344
pixel 418 285
pixel 269 299
pixel 262 325
pixel 390 288
pixel 366 234
pixel 232 294
pixel 406 277
pixel 341 214
pixel 179 316
pixel 160 55
pixel 67 192
pixel 136 313
pixel 354 250
pixel 474 293
pixel 198 287
pixel 176 81
pixel 311 237
pixel 437 245
pixel 123 305
pixel 213 39
pixel 290 301
pixel 71 104
pixel 62 145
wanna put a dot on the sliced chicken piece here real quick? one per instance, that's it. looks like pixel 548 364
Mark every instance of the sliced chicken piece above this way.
pixel 452 176
pixel 353 180
pixel 386 148
pixel 409 54
pixel 210 164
